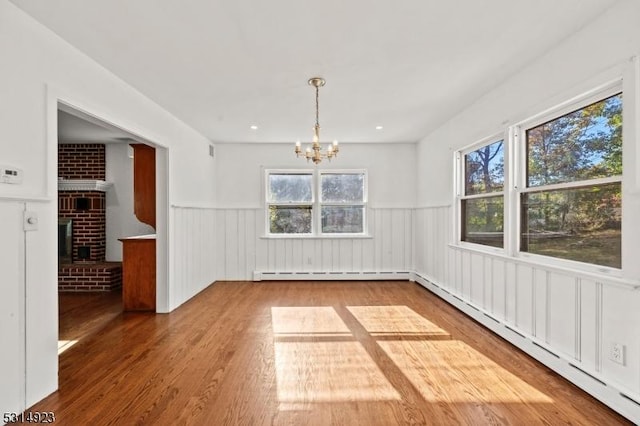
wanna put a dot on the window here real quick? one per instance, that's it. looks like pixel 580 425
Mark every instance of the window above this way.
pixel 571 205
pixel 558 192
pixel 293 208
pixel 342 203
pixel 290 203
pixel 482 200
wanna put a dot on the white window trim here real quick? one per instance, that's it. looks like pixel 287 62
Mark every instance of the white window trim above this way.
pixel 514 137
pixel 316 204
pixel 460 181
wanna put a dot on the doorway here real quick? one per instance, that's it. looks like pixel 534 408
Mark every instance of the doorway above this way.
pixel 95 210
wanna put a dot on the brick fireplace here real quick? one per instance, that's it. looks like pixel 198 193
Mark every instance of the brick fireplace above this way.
pixel 82 201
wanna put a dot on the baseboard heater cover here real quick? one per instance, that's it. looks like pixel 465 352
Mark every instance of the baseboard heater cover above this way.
pixel 331 276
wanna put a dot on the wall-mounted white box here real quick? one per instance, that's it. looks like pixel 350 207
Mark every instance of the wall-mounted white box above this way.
pixel 9 174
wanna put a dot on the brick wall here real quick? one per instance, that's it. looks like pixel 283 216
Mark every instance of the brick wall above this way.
pixel 95 277
pixel 84 161
pixel 81 161
pixel 89 226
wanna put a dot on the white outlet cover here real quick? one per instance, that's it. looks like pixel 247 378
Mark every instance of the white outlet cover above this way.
pixel 617 353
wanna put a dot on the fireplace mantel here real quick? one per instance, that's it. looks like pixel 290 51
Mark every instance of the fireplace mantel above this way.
pixel 83 185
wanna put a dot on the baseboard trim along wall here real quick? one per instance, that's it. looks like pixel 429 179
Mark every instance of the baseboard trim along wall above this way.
pixel 333 276
pixel 624 402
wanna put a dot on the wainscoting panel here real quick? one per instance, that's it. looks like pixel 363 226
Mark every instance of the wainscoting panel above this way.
pixel 567 319
pixel 193 243
pixel 524 308
pixel 561 313
pixel 242 249
pixel 499 289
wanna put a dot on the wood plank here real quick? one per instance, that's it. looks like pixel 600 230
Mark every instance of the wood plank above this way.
pixel 310 353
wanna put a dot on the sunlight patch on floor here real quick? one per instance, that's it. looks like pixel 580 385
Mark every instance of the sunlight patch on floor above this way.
pixel 389 320
pixel 453 371
pixel 63 345
pixel 307 320
pixel 314 362
pixel 329 372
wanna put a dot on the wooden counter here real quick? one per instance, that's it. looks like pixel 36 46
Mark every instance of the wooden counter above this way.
pixel 139 273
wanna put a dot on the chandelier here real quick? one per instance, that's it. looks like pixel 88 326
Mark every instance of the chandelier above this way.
pixel 314 152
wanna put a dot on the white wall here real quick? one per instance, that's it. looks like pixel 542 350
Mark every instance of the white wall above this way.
pixel 38 69
pixel 121 221
pixel 239 217
pixel 240 172
pixel 573 314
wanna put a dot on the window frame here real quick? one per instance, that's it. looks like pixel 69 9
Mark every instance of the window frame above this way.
pixel 521 174
pixel 317 204
pixel 268 203
pixel 461 179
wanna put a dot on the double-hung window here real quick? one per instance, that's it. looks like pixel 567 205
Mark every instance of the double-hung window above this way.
pixel 562 198
pixel 482 195
pixel 290 202
pixel 571 198
pixel 316 203
pixel 342 202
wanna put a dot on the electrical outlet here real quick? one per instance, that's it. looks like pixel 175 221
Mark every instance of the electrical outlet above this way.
pixel 617 353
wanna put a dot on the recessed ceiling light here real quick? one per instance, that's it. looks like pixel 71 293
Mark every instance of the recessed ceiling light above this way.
pixel 253 127
pixel 379 127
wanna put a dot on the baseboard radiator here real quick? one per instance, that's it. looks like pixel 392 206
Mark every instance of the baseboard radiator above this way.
pixel 331 276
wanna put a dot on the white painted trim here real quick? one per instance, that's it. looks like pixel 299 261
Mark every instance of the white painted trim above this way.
pixel 330 276
pixel 83 185
pixel 314 236
pixel 571 185
pixel 632 285
pixel 11 199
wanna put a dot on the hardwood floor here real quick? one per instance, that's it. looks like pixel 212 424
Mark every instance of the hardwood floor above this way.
pixel 83 314
pixel 310 353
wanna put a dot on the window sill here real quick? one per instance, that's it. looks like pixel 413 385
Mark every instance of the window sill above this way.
pixel 593 272
pixel 316 237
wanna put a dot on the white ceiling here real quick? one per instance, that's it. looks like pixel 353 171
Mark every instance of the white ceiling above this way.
pixel 75 128
pixel 223 65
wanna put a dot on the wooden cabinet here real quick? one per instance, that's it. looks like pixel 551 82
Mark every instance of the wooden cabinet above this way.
pixel 144 183
pixel 139 273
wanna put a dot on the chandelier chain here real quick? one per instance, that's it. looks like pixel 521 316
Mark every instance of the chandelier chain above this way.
pixel 317 107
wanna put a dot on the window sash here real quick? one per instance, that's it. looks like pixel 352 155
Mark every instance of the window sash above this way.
pixel 316 204
pixel 463 197
pixel 554 228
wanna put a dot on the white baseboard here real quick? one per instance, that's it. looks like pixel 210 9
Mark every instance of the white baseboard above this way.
pixel 331 276
pixel 624 402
